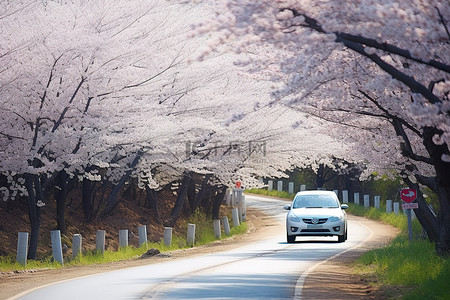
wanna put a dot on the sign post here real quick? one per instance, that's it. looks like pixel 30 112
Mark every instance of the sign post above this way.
pixel 408 196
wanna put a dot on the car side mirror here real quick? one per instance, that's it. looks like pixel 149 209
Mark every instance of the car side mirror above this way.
pixel 287 207
pixel 344 206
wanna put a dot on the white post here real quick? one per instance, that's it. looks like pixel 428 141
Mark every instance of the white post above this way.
pixel 228 196
pixel 217 231
pixel 344 196
pixel 366 201
pixel 302 187
pixel 55 236
pixel 356 198
pixel 243 209
pixel 388 206
pixel 142 232
pixel 167 236
pixel 396 208
pixel 22 248
pixel 291 187
pixel 235 214
pixel 100 240
pixel 280 186
pixel 376 201
pixel 226 225
pixel 270 185
pixel 76 245
pixel 123 238
pixel 191 235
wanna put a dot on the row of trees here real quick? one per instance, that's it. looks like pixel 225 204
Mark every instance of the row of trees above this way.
pixel 97 94
pixel 109 92
pixel 378 70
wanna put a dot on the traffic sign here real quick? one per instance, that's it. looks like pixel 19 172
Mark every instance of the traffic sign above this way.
pixel 408 195
pixel 410 205
pixel 238 184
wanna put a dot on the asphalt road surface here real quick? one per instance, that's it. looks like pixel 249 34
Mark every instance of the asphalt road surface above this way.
pixel 267 269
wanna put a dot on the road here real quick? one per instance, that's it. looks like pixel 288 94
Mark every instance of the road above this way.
pixel 267 269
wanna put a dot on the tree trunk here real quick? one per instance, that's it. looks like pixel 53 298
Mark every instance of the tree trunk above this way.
pixel 191 196
pixel 87 199
pixel 424 214
pixel 218 199
pixel 152 200
pixel 60 195
pixel 443 182
pixel 34 214
pixel 112 199
pixel 181 198
pixel 201 193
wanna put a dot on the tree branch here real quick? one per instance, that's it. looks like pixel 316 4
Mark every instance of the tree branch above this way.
pixel 61 117
pixel 356 44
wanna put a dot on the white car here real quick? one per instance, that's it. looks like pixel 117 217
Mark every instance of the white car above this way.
pixel 316 213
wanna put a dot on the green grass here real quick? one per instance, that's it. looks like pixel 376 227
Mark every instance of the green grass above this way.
pixel 272 193
pixel 404 269
pixel 400 221
pixel 204 235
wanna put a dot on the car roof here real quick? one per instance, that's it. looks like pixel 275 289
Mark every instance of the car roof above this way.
pixel 316 192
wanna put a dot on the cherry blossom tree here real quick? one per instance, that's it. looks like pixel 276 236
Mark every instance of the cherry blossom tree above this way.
pixel 96 86
pixel 383 66
pixel 104 91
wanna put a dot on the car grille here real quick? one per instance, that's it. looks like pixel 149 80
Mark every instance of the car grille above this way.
pixel 315 230
pixel 315 220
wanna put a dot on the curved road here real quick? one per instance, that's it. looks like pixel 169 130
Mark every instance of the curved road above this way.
pixel 268 269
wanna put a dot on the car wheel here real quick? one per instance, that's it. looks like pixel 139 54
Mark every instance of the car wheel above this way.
pixel 345 235
pixel 290 238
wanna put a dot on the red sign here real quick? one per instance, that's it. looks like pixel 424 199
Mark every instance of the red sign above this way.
pixel 238 184
pixel 410 205
pixel 408 195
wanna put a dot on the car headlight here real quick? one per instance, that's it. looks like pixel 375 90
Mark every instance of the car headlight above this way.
pixel 335 219
pixel 294 218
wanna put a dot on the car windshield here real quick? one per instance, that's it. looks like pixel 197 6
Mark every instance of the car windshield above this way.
pixel 315 201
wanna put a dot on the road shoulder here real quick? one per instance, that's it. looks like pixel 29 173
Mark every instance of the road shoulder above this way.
pixel 335 279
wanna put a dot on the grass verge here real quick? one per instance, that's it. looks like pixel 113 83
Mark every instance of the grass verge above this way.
pixel 404 269
pixel 272 193
pixel 204 235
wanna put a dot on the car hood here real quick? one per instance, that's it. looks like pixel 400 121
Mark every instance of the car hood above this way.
pixel 317 212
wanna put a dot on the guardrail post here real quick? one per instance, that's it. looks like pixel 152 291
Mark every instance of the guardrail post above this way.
pixel 396 208
pixel 22 248
pixel 366 201
pixel 123 238
pixel 142 233
pixel 190 235
pixel 217 231
pixel 228 196
pixel 280 186
pixel 356 198
pixel 291 188
pixel 270 185
pixel 55 236
pixel 302 187
pixel 226 225
pixel 100 241
pixel 388 206
pixel 376 201
pixel 235 214
pixel 344 196
pixel 76 245
pixel 167 236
